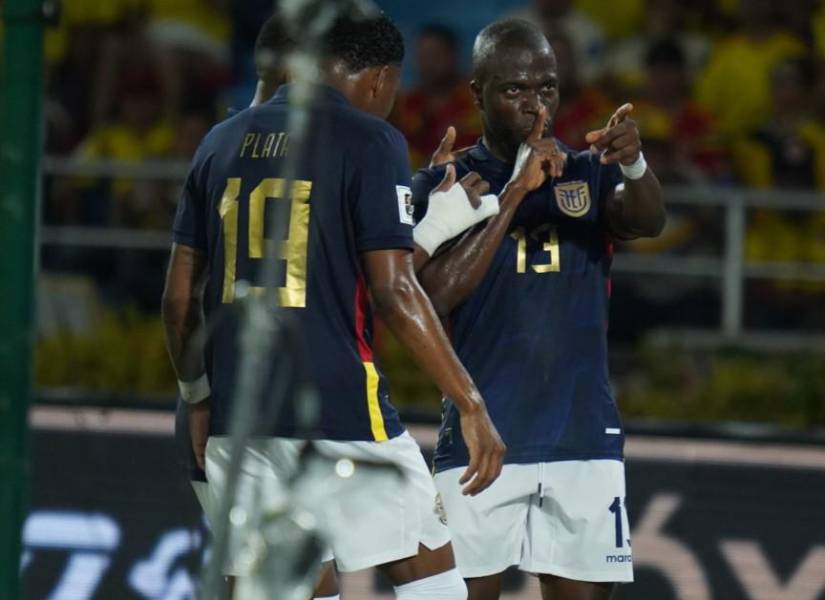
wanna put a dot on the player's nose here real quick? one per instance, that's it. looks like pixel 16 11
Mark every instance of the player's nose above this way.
pixel 531 103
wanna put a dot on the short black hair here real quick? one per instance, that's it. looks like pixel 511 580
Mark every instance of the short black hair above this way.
pixel 507 33
pixel 272 45
pixel 665 53
pixel 443 32
pixel 364 42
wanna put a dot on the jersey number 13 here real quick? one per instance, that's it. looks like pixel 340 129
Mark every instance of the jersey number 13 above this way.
pixel 546 235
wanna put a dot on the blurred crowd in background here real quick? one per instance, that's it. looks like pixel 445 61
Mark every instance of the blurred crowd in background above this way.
pixel 726 93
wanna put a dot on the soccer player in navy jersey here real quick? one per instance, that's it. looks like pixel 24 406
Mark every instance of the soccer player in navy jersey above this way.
pixel 526 297
pixel 350 245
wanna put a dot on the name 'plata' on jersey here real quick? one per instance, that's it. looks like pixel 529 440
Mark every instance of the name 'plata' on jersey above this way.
pixel 533 334
pixel 235 183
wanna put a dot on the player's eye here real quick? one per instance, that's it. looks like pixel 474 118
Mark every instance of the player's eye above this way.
pixel 512 91
pixel 549 87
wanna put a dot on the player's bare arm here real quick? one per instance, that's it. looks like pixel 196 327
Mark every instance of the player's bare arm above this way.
pixel 183 324
pixel 638 210
pixel 405 308
pixel 451 276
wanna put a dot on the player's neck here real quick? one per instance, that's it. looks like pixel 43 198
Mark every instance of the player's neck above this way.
pixel 500 151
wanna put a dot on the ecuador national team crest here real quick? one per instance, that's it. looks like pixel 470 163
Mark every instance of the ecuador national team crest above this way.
pixel 573 198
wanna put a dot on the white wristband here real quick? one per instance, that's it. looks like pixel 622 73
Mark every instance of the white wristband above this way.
pixel 196 391
pixel 636 170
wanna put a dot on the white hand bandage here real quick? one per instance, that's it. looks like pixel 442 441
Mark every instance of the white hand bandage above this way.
pixel 449 214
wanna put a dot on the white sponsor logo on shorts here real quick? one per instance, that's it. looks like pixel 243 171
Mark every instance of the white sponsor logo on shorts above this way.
pixel 619 558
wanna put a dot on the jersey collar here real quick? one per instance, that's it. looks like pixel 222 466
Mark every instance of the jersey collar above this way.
pixel 481 153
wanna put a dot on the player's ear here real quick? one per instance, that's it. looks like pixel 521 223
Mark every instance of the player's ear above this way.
pixel 475 88
pixel 379 79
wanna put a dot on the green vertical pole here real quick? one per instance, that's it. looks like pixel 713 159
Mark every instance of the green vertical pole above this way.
pixel 21 59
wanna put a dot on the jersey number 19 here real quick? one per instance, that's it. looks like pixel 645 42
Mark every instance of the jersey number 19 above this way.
pixel 293 250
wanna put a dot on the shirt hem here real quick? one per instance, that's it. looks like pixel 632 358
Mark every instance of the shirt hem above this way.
pixel 532 458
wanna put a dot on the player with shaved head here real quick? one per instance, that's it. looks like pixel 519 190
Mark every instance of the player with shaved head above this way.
pixel 526 297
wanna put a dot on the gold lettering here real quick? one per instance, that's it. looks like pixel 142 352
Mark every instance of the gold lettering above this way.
pixel 282 148
pixel 247 140
pixel 228 211
pixel 551 246
pixel 521 249
pixel 294 249
pixel 270 141
pixel 255 147
pixel 268 188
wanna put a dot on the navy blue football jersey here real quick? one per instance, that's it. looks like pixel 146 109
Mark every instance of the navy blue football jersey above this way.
pixel 533 335
pixel 352 196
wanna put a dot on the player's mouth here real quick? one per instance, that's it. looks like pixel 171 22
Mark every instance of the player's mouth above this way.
pixel 527 127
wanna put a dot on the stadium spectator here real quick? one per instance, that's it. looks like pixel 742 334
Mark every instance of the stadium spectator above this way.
pixel 192 37
pixel 664 19
pixel 618 18
pixel 140 132
pixel 561 17
pixel 129 59
pixel 735 86
pixel 788 149
pixel 440 98
pixel 684 150
pixel 585 108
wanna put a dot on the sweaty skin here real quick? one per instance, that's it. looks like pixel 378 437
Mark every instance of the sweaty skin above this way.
pixel 512 86
pixel 399 299
pixel 516 90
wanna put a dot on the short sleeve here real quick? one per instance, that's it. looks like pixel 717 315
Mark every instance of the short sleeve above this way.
pixel 190 224
pixel 424 182
pixel 610 176
pixel 379 193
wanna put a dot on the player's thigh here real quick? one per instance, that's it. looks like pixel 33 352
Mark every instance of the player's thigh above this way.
pixel 558 588
pixel 425 563
pixel 390 511
pixel 578 530
pixel 327 584
pixel 484 588
pixel 488 530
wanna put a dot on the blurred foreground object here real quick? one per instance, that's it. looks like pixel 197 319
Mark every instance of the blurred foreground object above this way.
pixel 20 75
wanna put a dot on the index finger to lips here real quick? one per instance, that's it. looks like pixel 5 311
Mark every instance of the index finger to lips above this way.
pixel 537 132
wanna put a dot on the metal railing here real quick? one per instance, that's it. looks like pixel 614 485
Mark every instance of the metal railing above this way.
pixel 730 269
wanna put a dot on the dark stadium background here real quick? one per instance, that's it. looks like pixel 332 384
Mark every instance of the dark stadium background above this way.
pixel 717 328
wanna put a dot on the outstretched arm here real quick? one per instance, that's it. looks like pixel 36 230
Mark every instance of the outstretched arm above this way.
pixel 405 308
pixel 637 210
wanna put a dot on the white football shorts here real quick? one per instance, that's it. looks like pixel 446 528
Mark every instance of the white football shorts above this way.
pixel 376 524
pixel 564 518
